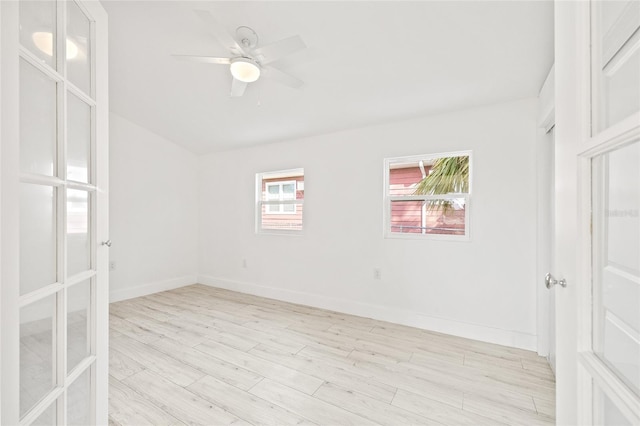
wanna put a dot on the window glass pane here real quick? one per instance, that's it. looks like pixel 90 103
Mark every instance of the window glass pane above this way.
pixel 79 400
pixel 289 208
pixel 36 351
pixel 616 65
pixel 616 230
pixel 436 217
pixel 403 178
pixel 78 305
pixel 78 48
pixel 78 139
pixel 78 236
pixel 37 29
pixel 437 176
pixel 38 250
pixel 37 121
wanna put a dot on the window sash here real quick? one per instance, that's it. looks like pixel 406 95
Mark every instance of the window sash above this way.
pixel 389 231
pixel 260 214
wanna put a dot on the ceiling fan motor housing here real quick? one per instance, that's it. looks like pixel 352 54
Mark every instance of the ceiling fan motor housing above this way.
pixel 247 38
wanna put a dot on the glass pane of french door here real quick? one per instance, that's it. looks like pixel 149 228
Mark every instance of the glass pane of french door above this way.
pixel 38 236
pixel 78 231
pixel 78 325
pixel 57 215
pixel 37 351
pixel 38 29
pixel 78 139
pixel 37 121
pixel 79 400
pixel 78 47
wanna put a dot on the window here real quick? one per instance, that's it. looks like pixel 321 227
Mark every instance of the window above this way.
pixel 279 201
pixel 427 196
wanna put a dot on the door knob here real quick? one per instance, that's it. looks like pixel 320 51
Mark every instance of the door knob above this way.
pixel 107 243
pixel 549 281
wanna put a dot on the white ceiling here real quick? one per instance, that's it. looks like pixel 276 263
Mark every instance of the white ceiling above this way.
pixel 366 63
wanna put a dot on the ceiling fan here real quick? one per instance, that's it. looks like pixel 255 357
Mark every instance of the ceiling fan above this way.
pixel 248 61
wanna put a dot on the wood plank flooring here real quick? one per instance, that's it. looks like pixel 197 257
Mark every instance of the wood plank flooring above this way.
pixel 204 356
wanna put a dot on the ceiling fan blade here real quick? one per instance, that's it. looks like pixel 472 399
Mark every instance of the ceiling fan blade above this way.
pixel 237 88
pixel 204 59
pixel 218 31
pixel 274 51
pixel 282 77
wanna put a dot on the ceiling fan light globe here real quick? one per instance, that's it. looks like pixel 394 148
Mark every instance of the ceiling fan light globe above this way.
pixel 245 70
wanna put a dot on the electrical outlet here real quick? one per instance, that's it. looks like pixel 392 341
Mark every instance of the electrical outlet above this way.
pixel 377 274
pixel 244 263
pixel 112 266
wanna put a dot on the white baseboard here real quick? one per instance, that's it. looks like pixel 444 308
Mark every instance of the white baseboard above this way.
pixel 150 288
pixel 483 333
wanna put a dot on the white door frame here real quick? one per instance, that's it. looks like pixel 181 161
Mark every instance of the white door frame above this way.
pixel 101 67
pixel 9 236
pixel 10 215
pixel 577 367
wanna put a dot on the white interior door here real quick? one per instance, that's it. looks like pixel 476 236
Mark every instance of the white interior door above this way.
pixel 597 212
pixel 54 205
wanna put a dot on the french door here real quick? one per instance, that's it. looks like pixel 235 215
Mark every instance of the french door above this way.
pixel 54 213
pixel 598 212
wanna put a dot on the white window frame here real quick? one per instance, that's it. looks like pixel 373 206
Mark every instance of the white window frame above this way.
pixel 388 199
pixel 259 202
pixel 281 197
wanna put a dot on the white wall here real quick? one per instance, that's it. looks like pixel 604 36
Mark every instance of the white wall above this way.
pixel 153 212
pixel 483 289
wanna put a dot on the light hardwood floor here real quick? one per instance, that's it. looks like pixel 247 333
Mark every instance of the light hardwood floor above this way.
pixel 200 355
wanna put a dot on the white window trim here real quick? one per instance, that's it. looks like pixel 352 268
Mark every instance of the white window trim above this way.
pixel 280 201
pixel 387 199
pixel 259 202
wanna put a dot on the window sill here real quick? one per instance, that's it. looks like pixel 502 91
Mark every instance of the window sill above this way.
pixel 291 233
pixel 427 237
